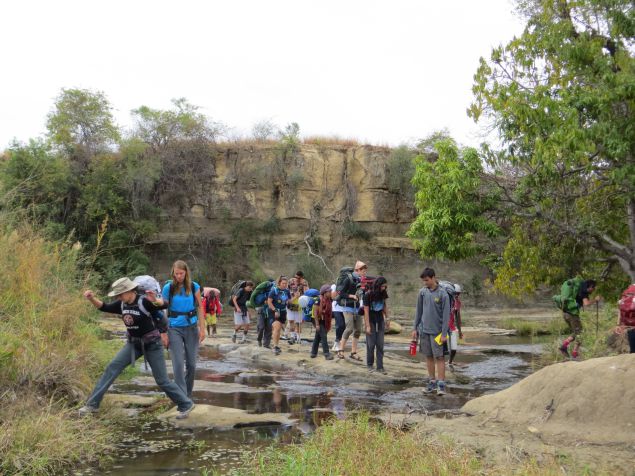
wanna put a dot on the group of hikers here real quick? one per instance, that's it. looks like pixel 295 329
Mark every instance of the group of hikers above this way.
pixel 181 313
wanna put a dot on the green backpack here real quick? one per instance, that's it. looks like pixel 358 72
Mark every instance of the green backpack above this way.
pixel 569 290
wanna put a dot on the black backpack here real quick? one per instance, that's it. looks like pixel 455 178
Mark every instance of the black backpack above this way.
pixel 345 285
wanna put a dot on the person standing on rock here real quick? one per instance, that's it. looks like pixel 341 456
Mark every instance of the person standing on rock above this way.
pixel 241 313
pixel 147 334
pixel 213 309
pixel 571 311
pixel 431 322
pixel 376 322
pixel 346 288
pixel 297 286
pixel 323 318
pixel 455 325
pixel 277 309
pixel 187 324
pixel 340 322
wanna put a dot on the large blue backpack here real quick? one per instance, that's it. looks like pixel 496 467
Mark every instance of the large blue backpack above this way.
pixel 310 298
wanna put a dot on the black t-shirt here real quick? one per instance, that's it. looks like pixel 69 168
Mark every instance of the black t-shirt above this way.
pixel 137 322
pixel 241 299
pixel 375 308
pixel 583 294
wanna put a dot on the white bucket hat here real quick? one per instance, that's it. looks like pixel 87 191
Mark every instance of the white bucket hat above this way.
pixel 121 286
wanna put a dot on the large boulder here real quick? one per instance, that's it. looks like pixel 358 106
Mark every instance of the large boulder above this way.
pixel 590 400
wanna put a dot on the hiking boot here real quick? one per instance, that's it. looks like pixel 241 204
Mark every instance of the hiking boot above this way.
pixel 87 410
pixel 564 350
pixel 382 371
pixel 259 343
pixel 277 350
pixel 431 387
pixel 440 387
pixel 313 356
pixel 328 357
pixel 267 346
pixel 370 369
pixel 234 337
pixel 182 415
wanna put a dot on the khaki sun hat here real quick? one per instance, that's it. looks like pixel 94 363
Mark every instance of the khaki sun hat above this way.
pixel 360 265
pixel 121 286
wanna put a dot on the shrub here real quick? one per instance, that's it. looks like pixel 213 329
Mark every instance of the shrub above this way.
pixel 352 229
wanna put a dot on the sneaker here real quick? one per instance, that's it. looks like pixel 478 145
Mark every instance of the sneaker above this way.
pixel 328 357
pixel 440 387
pixel 564 351
pixel 382 371
pixel 234 337
pixel 277 350
pixel 185 413
pixel 87 410
pixel 370 369
pixel 313 356
pixel 432 386
pixel 267 346
pixel 336 347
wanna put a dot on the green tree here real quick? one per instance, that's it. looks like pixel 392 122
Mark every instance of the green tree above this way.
pixel 81 122
pixel 562 97
pixel 453 220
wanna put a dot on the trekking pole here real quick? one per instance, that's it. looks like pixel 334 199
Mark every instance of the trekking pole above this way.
pixel 597 319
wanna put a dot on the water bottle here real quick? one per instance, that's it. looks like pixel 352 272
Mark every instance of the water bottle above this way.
pixel 413 347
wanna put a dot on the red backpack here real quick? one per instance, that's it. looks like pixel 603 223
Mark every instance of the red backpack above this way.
pixel 627 307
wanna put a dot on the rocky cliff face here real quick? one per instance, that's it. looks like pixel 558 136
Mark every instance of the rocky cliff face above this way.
pixel 255 210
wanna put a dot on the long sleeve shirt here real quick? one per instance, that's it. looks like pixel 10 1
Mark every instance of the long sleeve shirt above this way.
pixel 433 312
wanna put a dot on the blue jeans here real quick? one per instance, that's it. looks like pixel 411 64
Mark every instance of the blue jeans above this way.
pixel 184 352
pixel 320 337
pixel 154 356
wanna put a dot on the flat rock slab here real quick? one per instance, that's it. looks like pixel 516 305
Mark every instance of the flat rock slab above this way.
pixel 131 401
pixel 213 417
pixel 212 387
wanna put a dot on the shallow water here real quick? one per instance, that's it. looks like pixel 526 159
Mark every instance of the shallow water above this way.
pixel 489 363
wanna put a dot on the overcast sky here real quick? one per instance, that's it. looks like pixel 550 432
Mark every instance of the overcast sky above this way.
pixel 384 72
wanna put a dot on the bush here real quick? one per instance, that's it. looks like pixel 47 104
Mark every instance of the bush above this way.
pixel 352 229
pixel 50 352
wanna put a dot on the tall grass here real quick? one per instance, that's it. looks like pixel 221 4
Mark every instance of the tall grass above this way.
pixel 358 446
pixel 50 352
pixel 555 326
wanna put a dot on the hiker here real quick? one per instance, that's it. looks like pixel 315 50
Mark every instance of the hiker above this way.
pixel 376 322
pixel 146 326
pixel 213 308
pixel 455 325
pixel 323 318
pixel 277 309
pixel 297 286
pixel 626 316
pixel 338 315
pixel 187 324
pixel 431 322
pixel 346 287
pixel 258 302
pixel 241 313
pixel 574 296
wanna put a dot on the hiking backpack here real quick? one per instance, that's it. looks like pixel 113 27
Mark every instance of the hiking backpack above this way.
pixel 307 301
pixel 234 291
pixel 627 307
pixel 365 285
pixel 147 283
pixel 346 284
pixel 566 300
pixel 260 294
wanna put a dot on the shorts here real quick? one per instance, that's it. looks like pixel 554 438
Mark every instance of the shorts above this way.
pixel 210 319
pixel 283 316
pixel 575 324
pixel 429 347
pixel 453 338
pixel 354 325
pixel 294 316
pixel 241 318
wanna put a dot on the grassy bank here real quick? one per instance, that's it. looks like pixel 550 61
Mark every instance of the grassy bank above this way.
pixel 357 446
pixel 50 353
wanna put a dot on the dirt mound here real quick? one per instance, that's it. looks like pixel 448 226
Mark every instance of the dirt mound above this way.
pixel 591 400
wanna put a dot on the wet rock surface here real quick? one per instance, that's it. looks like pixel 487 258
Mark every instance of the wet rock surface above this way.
pixel 213 417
